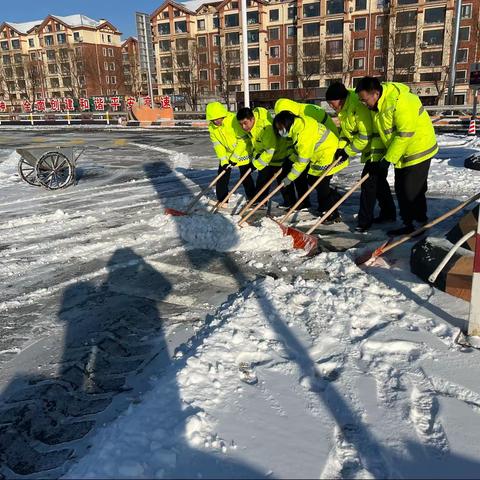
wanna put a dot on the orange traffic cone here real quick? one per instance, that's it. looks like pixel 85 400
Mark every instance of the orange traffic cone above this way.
pixel 471 127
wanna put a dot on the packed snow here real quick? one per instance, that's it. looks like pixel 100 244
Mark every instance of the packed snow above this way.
pixel 330 371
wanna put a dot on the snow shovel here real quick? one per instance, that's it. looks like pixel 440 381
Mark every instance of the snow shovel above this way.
pixel 257 195
pixel 221 203
pixel 179 213
pixel 265 200
pixel 309 191
pixel 306 240
pixel 389 244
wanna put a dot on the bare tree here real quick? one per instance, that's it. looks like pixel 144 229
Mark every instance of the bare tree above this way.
pixel 186 67
pixel 30 78
pixel 135 74
pixel 310 63
pixel 8 86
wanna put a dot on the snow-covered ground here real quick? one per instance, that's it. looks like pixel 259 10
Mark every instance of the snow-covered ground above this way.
pixel 316 368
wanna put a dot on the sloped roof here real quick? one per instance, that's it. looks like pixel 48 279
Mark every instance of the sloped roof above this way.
pixel 77 20
pixel 24 27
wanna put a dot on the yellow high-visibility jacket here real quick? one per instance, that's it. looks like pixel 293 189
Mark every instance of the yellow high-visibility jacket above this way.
pixel 268 148
pixel 355 127
pixel 404 126
pixel 315 145
pixel 306 110
pixel 230 142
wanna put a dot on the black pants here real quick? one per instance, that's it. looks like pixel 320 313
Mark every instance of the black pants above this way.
pixel 221 186
pixel 375 188
pixel 291 193
pixel 410 187
pixel 326 196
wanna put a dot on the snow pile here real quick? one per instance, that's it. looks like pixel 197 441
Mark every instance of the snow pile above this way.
pixel 332 371
pixel 8 168
pixel 221 233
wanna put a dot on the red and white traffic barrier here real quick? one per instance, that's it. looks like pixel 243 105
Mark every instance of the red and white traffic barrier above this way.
pixel 472 127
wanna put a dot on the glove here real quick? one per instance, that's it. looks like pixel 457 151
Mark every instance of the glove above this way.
pixel 341 153
pixel 286 181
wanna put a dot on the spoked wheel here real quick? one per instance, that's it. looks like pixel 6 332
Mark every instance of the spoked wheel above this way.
pixel 54 170
pixel 27 172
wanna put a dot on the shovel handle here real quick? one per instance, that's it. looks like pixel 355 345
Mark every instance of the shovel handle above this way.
pixel 205 190
pixel 332 209
pixel 257 195
pixel 221 203
pixel 310 190
pixel 265 200
pixel 429 225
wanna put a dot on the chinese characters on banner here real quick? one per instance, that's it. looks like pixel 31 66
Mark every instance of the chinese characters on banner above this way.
pixel 97 104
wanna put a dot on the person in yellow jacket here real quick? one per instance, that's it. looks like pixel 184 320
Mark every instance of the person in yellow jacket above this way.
pixel 270 152
pixel 357 137
pixel 315 147
pixel 232 147
pixel 407 132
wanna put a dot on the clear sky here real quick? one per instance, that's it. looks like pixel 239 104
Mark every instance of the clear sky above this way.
pixel 120 12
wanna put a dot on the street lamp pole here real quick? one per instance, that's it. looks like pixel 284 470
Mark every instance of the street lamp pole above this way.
pixel 453 56
pixel 246 91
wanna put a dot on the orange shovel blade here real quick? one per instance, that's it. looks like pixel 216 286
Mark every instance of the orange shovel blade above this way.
pixel 175 213
pixel 371 254
pixel 301 240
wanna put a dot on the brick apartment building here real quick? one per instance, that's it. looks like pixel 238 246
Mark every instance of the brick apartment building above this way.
pixel 310 43
pixel 59 57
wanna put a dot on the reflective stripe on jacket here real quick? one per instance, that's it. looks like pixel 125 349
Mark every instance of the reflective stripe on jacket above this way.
pixel 355 127
pixel 268 149
pixel 314 145
pixel 230 142
pixel 306 110
pixel 404 126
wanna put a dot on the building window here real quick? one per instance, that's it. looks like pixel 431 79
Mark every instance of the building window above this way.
pixel 430 77
pixel 15 44
pixel 31 42
pixel 274 33
pixel 231 20
pixel 360 24
pixel 291 84
pixel 253 71
pixel 407 19
pixel 433 37
pixel 233 56
pixel 274 15
pixel 462 55
pixel 459 99
pixel 311 68
pixel 461 76
pixel 275 70
pixel 164 28
pixel 203 74
pixel 334 7
pixel 405 40
pixel 360 5
pixel 5 46
pixel 405 60
pixel 358 63
pixel 435 15
pixel 335 27
pixel 432 59
pixel 290 68
pixel 167 77
pixel 181 27
pixel 311 10
pixel 466 11
pixel 464 34
pixel 311 29
pixel 217 74
pixel 378 43
pixel 202 59
pixel 334 47
pixel 232 38
pixel 252 36
pixel 291 50
pixel 378 63
pixel 358 44
pixel 311 49
pixel 407 2
pixel 165 14
pixel 166 62
pixel 202 42
pixel 48 40
pixel 252 18
pixel 51 54
pixel 181 44
pixel 110 52
pixel 253 87
pixel 380 21
pixel 275 86
pixel 292 13
pixel 253 54
pixel 275 52
pixel 61 38
pixel 177 13
pixel 216 22
pixel 291 31
pixel 216 40
pixel 52 68
pixel 164 45
pixel 334 65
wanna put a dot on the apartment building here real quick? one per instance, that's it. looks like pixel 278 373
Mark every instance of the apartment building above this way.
pixel 311 43
pixel 60 57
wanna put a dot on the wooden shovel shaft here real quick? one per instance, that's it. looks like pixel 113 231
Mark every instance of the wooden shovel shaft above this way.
pixel 265 200
pixel 254 199
pixel 221 203
pixel 329 212
pixel 205 190
pixel 310 190
pixel 420 230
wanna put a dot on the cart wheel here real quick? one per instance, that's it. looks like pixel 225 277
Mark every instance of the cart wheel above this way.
pixel 54 170
pixel 27 173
